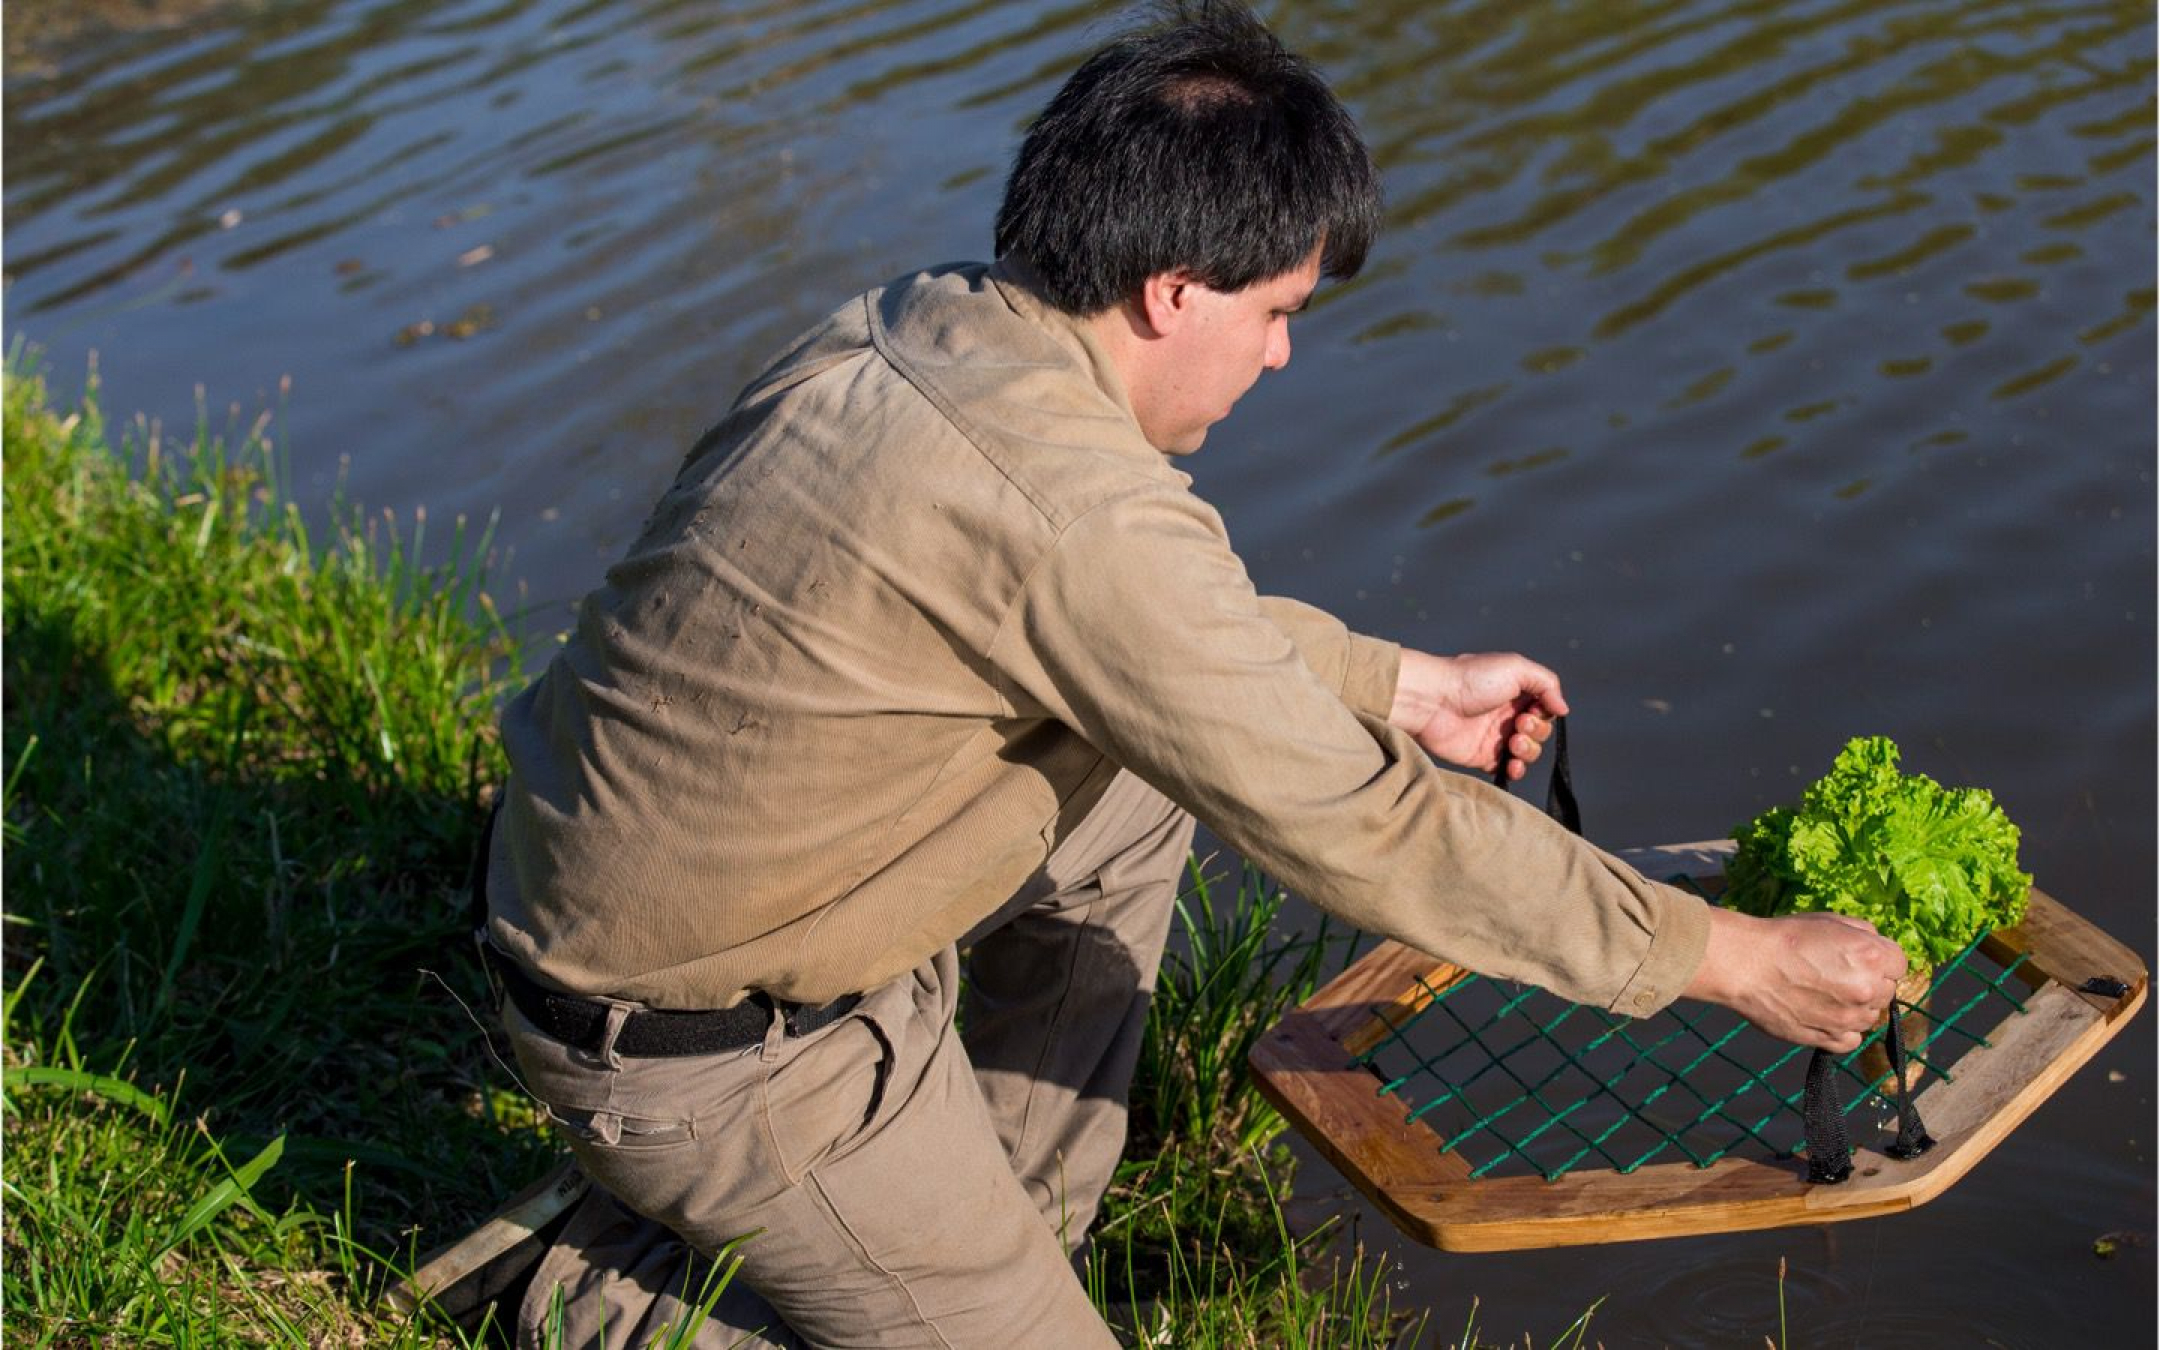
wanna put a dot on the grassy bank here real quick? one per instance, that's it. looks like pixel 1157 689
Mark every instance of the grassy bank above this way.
pixel 245 766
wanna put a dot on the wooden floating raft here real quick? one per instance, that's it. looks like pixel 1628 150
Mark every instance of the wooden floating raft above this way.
pixel 1582 1084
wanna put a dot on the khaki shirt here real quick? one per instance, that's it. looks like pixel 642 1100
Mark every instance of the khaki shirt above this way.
pixel 903 614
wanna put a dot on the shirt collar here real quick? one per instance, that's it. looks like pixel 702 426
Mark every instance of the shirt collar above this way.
pixel 1021 287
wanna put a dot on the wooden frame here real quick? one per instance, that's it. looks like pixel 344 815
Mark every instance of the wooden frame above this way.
pixel 1304 1066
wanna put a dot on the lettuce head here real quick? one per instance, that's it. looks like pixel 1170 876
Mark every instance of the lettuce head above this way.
pixel 1931 867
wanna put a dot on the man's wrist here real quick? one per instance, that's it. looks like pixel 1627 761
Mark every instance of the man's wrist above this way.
pixel 1418 680
pixel 1725 956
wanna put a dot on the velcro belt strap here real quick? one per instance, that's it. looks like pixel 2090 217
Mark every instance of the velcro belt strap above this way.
pixel 652 1033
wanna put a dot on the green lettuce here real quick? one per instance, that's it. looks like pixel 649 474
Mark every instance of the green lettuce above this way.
pixel 1931 867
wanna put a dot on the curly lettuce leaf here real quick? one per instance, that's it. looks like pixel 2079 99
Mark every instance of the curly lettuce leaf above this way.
pixel 1931 867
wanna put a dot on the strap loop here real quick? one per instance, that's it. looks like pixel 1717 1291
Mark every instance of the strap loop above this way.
pixel 1559 789
pixel 1829 1151
pixel 1912 1136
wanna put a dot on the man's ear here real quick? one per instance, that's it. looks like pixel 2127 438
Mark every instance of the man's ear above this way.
pixel 1165 301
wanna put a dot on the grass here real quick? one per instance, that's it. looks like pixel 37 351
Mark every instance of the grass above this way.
pixel 245 760
pixel 1192 1248
pixel 244 774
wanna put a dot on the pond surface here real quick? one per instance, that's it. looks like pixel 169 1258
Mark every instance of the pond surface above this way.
pixel 1778 371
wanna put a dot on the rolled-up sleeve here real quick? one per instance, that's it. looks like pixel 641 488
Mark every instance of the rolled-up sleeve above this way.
pixel 1141 631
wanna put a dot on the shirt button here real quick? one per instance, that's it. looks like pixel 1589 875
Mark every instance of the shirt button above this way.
pixel 1646 998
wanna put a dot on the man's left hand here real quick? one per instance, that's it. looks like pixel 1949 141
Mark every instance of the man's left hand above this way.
pixel 1480 710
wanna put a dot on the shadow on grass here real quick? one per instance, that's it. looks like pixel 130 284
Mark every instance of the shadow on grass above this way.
pixel 300 965
pixel 244 779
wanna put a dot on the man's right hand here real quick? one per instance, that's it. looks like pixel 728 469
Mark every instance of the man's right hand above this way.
pixel 1821 980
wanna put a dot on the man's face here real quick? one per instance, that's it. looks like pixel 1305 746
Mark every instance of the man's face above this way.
pixel 1218 349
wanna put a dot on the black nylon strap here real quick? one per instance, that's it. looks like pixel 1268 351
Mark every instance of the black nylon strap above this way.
pixel 1829 1151
pixel 1912 1136
pixel 1559 789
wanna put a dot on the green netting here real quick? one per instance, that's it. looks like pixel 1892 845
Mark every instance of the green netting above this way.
pixel 1518 1080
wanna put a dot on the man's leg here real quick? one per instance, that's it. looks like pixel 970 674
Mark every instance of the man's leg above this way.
pixel 616 1279
pixel 858 1164
pixel 1058 987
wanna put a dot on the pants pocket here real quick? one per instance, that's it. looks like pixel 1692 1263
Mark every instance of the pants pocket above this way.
pixel 824 1098
pixel 615 1131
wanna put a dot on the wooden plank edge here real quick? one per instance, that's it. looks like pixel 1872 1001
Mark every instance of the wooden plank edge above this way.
pixel 1704 859
pixel 1385 1022
pixel 1592 1209
pixel 1366 1137
pixel 1385 976
pixel 2061 945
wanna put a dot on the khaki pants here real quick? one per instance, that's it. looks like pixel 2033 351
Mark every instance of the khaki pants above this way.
pixel 891 1183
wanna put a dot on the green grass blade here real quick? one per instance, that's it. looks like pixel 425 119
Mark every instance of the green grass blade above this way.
pixel 81 1080
pixel 239 1186
pixel 207 870
pixel 12 832
pixel 14 996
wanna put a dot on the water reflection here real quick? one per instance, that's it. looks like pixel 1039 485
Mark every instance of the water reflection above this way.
pixel 1692 150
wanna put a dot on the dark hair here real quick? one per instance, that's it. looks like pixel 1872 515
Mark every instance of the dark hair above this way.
pixel 1199 144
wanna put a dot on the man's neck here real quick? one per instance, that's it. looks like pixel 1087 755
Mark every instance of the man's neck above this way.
pixel 1122 337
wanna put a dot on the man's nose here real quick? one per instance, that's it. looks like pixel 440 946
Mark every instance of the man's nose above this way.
pixel 1278 347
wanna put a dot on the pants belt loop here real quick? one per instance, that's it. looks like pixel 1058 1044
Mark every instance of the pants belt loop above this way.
pixel 776 1029
pixel 617 1014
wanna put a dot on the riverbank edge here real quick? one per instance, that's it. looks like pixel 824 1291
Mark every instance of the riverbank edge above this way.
pixel 245 769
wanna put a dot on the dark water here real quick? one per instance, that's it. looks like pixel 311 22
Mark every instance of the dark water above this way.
pixel 1779 372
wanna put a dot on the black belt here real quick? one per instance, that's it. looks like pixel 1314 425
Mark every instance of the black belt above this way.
pixel 648 1033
